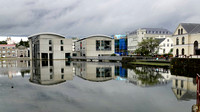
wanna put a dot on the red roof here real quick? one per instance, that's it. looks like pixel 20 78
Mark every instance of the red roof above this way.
pixel 7 45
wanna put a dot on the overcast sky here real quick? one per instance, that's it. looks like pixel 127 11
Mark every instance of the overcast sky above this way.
pixel 88 17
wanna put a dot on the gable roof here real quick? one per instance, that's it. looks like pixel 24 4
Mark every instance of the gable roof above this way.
pixel 191 28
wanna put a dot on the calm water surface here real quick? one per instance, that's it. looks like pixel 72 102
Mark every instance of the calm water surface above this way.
pixel 61 86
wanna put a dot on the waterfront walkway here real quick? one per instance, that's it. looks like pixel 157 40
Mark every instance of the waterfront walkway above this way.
pixel 114 58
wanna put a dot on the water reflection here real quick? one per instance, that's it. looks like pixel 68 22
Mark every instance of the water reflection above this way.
pixel 148 76
pixel 48 72
pixel 184 88
pixel 13 68
pixel 97 72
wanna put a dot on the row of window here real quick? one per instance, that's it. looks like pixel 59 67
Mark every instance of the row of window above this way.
pixel 50 42
pixel 177 40
pixel 167 45
pixel 61 48
pixel 182 52
pixel 180 31
pixel 7 47
pixel 7 51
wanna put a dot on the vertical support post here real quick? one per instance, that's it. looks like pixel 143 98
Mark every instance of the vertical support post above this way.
pixel 198 91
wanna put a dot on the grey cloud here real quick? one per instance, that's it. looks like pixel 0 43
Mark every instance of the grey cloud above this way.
pixel 83 18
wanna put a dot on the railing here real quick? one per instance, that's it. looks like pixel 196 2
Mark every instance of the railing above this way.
pixel 98 57
pixel 198 91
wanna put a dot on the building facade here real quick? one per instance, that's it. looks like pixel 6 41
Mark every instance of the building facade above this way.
pixel 144 33
pixel 165 45
pixel 186 40
pixel 7 51
pixel 49 72
pixel 22 51
pixel 50 46
pixel 120 45
pixel 97 45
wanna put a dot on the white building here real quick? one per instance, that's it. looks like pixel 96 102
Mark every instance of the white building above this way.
pixel 165 45
pixel 49 72
pixel 144 33
pixel 186 40
pixel 97 45
pixel 49 46
pixel 93 71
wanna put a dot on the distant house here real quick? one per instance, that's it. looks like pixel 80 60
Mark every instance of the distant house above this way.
pixel 49 46
pixel 22 51
pixel 7 50
pixel 165 45
pixel 97 45
pixel 186 40
pixel 145 33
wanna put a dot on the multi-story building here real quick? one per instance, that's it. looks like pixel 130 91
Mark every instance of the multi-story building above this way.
pixel 144 33
pixel 97 45
pixel 121 45
pixel 94 71
pixel 22 51
pixel 49 46
pixel 165 45
pixel 184 88
pixel 7 50
pixel 49 72
pixel 186 40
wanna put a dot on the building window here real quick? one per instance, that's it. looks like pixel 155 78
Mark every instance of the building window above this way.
pixel 183 40
pixel 177 41
pixel 183 51
pixel 177 52
pixel 171 45
pixel 163 51
pixel 51 76
pixel 164 45
pixel 61 41
pixel 50 48
pixel 50 70
pixel 181 31
pixel 178 31
pixel 62 76
pixel 167 40
pixel 103 72
pixel 181 83
pixel 103 45
pixel 195 47
pixel 62 70
pixel 50 42
pixel 97 45
pixel 176 83
pixel 167 45
pixel 61 48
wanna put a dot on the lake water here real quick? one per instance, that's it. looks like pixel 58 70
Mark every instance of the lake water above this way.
pixel 61 86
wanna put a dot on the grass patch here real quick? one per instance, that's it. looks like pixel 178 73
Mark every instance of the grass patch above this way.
pixel 150 63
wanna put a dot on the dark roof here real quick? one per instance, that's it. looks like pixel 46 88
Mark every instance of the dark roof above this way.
pixel 191 28
pixel 160 40
pixel 188 96
pixel 161 31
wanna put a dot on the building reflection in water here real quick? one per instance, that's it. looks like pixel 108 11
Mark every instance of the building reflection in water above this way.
pixel 94 71
pixel 13 68
pixel 48 72
pixel 184 88
pixel 148 76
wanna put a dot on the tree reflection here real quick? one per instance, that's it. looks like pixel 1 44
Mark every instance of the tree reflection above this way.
pixel 148 76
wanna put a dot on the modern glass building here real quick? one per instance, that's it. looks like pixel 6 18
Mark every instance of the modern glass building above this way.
pixel 120 45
